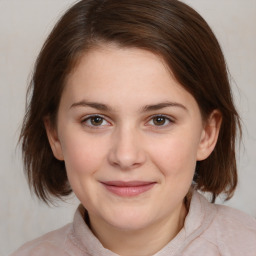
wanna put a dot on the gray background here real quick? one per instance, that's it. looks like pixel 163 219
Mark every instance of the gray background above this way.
pixel 24 24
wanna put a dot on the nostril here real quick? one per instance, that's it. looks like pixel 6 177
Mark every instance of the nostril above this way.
pixel 126 160
pixel 126 151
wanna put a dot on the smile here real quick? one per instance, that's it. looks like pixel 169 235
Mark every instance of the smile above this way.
pixel 128 189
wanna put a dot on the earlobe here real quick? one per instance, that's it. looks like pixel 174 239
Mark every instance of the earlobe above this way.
pixel 53 139
pixel 209 135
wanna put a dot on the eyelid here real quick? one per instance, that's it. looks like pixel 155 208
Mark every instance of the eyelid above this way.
pixel 167 117
pixel 162 115
pixel 87 117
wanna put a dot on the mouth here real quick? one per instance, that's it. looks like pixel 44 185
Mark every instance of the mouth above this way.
pixel 128 189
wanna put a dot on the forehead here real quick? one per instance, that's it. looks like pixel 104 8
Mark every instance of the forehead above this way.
pixel 114 58
pixel 111 73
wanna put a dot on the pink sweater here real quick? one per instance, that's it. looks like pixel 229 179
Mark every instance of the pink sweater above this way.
pixel 209 230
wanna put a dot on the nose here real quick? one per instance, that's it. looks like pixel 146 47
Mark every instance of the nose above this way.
pixel 127 150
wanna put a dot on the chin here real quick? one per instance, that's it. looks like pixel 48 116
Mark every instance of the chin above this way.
pixel 131 220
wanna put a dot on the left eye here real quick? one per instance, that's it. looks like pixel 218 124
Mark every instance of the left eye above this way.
pixel 160 121
pixel 95 121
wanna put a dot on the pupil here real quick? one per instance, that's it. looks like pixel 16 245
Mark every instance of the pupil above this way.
pixel 159 120
pixel 97 120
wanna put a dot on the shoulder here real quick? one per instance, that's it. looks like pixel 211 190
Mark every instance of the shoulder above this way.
pixel 232 231
pixel 233 216
pixel 230 219
pixel 50 244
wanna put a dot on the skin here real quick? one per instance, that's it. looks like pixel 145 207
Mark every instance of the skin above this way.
pixel 149 128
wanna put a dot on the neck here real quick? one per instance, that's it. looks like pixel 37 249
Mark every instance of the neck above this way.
pixel 130 242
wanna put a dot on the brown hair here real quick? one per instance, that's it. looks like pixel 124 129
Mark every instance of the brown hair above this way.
pixel 168 28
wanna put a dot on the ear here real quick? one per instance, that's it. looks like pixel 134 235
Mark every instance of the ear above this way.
pixel 53 139
pixel 209 135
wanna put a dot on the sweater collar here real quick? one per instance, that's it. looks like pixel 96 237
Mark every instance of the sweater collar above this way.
pixel 200 215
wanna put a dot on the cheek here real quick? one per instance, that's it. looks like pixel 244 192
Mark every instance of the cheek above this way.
pixel 176 157
pixel 82 155
pixel 83 158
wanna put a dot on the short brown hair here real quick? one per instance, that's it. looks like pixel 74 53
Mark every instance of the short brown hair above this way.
pixel 168 28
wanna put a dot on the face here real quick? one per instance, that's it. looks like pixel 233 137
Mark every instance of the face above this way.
pixel 130 136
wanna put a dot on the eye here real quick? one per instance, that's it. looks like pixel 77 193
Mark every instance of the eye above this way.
pixel 95 121
pixel 160 120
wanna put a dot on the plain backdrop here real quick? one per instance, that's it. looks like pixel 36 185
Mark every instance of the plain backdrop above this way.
pixel 24 24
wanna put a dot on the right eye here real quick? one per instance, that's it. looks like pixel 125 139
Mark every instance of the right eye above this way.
pixel 95 121
pixel 160 121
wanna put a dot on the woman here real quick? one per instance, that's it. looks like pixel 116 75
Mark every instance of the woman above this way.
pixel 131 109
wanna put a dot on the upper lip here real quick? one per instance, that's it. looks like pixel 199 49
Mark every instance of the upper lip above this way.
pixel 135 183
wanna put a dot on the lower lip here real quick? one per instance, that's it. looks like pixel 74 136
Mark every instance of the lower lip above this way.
pixel 128 191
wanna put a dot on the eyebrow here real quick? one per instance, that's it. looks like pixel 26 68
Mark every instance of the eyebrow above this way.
pixel 95 105
pixel 147 108
pixel 162 105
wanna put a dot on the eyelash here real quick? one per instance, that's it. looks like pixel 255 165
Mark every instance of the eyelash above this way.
pixel 103 118
pixel 166 119
pixel 90 118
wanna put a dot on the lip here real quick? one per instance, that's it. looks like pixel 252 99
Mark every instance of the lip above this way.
pixel 128 188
